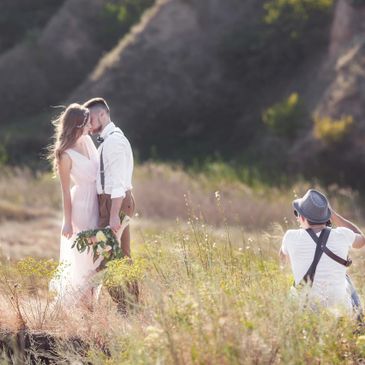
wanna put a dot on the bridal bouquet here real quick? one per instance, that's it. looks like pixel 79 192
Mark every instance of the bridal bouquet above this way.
pixel 103 242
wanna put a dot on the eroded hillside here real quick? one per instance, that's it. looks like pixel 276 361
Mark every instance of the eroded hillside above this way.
pixel 274 86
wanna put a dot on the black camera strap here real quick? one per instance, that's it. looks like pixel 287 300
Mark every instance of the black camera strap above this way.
pixel 328 252
pixel 321 242
pixel 321 247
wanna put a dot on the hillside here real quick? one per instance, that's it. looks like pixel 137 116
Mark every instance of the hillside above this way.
pixel 257 83
pixel 45 67
pixel 343 97
pixel 166 82
pixel 195 89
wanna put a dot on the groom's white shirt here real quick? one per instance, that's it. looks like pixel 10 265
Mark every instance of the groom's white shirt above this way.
pixel 118 162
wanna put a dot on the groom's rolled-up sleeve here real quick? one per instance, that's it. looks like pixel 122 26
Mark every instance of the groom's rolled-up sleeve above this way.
pixel 117 164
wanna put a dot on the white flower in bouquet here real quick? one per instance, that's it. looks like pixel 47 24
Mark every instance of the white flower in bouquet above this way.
pixel 102 242
pixel 100 236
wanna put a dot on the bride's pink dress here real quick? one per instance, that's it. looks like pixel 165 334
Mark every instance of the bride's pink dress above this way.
pixel 77 269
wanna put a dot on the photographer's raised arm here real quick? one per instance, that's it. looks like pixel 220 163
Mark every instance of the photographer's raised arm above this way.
pixel 340 221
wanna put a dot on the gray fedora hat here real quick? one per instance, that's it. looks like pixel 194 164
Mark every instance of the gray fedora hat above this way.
pixel 314 206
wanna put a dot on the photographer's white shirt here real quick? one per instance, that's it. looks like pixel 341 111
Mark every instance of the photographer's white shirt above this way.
pixel 329 283
pixel 118 162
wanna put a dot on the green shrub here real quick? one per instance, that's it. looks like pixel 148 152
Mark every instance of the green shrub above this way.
pixel 284 117
pixel 286 32
pixel 118 17
pixel 295 26
pixel 279 11
pixel 330 130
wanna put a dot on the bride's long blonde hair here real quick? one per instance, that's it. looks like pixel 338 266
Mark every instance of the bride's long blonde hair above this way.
pixel 69 127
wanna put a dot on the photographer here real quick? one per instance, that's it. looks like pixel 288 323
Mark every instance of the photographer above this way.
pixel 319 254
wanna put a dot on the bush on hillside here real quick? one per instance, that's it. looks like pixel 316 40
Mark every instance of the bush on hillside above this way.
pixel 302 10
pixel 287 31
pixel 295 27
pixel 118 17
pixel 331 130
pixel 284 117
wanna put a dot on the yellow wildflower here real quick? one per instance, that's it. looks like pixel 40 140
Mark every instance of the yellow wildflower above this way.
pixel 360 342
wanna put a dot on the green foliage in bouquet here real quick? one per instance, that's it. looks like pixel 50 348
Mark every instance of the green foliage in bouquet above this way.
pixel 102 242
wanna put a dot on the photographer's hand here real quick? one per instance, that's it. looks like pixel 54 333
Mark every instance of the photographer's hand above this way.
pixel 340 221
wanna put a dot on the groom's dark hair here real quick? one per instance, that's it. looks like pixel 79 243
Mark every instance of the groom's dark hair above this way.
pixel 97 102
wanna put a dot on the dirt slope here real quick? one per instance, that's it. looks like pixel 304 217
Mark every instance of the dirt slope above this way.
pixel 166 79
pixel 344 95
pixel 40 72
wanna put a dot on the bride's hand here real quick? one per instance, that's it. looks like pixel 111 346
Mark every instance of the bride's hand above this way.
pixel 67 230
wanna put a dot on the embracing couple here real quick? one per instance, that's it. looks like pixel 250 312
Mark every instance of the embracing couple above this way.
pixel 101 190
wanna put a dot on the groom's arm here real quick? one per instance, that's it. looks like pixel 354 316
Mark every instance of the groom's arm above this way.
pixel 117 163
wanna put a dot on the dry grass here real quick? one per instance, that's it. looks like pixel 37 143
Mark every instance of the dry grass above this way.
pixel 211 293
pixel 162 192
pixel 207 297
pixel 30 205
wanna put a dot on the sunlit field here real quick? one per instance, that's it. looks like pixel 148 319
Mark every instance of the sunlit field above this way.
pixel 233 109
pixel 212 290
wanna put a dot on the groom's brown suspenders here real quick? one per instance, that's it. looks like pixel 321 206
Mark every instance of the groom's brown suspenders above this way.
pixel 102 172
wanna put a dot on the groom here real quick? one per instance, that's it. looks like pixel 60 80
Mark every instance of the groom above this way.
pixel 114 186
pixel 114 180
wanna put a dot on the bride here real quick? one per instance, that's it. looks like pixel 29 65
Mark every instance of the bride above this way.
pixel 75 161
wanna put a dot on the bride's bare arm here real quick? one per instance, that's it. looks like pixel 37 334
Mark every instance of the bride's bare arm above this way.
pixel 64 172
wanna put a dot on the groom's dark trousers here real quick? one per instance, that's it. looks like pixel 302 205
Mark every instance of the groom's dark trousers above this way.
pixel 128 208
